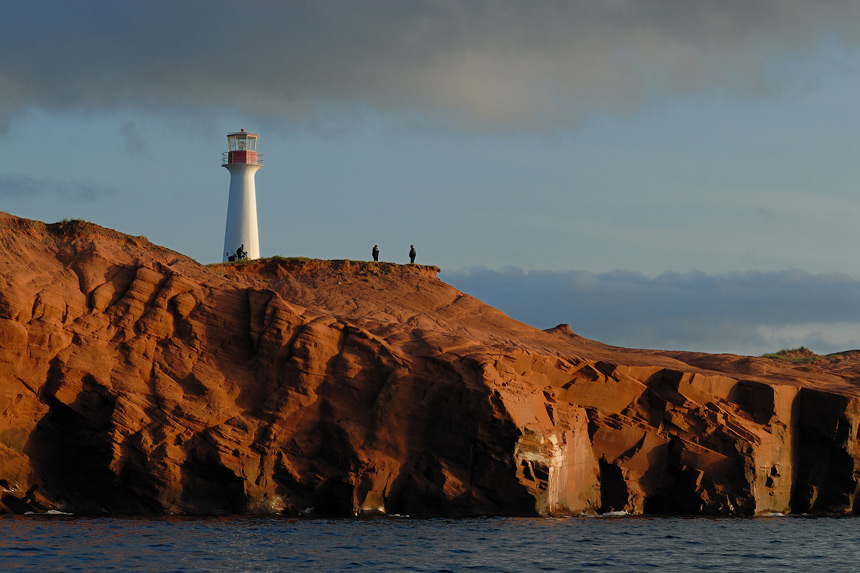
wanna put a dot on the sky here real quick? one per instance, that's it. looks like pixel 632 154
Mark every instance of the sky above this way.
pixel 657 174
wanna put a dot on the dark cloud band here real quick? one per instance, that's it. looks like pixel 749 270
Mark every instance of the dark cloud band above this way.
pixel 12 186
pixel 482 64
pixel 744 312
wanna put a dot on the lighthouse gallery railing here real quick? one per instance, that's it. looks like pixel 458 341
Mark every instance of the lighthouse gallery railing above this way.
pixel 240 157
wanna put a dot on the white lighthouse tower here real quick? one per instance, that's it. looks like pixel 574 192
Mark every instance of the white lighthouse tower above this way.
pixel 242 161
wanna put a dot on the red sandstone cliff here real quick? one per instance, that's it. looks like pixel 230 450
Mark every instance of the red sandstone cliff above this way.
pixel 134 380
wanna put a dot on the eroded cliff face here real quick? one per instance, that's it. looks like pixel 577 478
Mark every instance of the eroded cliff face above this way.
pixel 134 380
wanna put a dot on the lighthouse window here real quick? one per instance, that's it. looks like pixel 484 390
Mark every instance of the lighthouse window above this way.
pixel 242 143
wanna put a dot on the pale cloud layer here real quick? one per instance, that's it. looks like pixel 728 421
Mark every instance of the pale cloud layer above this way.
pixel 13 186
pixel 478 64
pixel 743 313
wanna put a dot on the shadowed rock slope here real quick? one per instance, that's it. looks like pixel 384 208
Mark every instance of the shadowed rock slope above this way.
pixel 134 380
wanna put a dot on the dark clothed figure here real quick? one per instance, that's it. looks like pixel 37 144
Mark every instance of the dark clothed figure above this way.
pixel 241 253
pixel 375 252
pixel 411 254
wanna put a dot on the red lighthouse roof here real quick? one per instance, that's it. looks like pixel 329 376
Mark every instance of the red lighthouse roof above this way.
pixel 241 134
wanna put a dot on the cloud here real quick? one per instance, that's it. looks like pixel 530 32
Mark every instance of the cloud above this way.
pixel 484 64
pixel 19 186
pixel 133 141
pixel 744 312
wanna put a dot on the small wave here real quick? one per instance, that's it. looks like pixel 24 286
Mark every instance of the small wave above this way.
pixel 621 513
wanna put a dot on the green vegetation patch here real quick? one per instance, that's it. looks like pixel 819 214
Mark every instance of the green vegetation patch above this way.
pixel 305 264
pixel 800 355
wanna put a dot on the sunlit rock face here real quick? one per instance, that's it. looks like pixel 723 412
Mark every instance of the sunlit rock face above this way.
pixel 134 380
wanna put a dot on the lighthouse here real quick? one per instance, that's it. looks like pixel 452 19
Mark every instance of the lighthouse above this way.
pixel 242 161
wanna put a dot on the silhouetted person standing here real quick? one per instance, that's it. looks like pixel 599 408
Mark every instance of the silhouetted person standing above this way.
pixel 375 252
pixel 411 254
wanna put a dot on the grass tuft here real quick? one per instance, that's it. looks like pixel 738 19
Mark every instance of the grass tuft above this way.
pixel 799 355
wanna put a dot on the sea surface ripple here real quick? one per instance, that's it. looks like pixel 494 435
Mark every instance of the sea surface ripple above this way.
pixel 68 543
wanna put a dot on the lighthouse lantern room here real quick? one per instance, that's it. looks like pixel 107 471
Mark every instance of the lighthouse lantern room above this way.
pixel 242 148
pixel 241 238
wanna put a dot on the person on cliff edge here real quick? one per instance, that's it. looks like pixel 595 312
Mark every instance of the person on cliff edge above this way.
pixel 411 254
pixel 375 252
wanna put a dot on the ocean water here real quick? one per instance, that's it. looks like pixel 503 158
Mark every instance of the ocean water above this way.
pixel 619 543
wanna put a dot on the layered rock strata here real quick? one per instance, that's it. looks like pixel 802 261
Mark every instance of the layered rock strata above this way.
pixel 135 380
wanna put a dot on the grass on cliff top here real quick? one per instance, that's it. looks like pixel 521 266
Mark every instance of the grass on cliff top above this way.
pixel 363 266
pixel 803 355
pixel 71 228
pixel 82 227
pixel 800 355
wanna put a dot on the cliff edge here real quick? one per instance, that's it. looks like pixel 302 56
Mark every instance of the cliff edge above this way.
pixel 135 380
